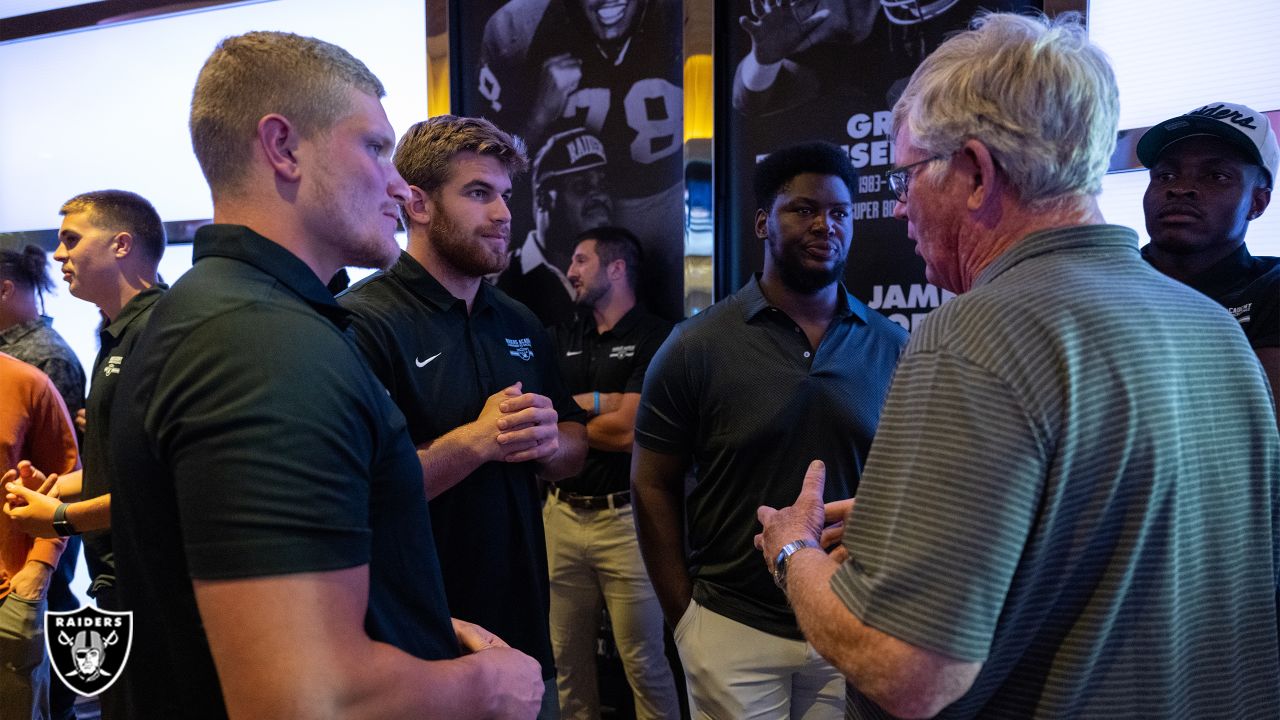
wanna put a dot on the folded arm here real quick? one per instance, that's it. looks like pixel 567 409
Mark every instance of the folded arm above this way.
pixel 613 430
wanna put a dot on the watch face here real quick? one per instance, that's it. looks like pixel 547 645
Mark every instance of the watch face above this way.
pixel 780 569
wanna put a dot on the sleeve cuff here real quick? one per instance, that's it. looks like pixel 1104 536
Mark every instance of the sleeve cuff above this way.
pixel 47 551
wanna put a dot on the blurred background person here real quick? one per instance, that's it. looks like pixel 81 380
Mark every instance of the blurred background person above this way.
pixel 27 334
pixel 592 551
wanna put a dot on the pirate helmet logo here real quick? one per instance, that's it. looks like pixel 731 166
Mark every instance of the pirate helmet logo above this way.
pixel 88 648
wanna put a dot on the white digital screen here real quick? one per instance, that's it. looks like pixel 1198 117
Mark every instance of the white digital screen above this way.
pixel 107 107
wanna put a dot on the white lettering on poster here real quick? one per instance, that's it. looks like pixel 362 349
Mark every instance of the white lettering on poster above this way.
pixel 909 297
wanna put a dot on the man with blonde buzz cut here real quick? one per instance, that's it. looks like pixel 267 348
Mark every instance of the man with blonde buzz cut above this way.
pixel 267 502
pixel 1071 506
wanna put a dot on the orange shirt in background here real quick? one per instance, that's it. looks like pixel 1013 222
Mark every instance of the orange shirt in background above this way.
pixel 35 426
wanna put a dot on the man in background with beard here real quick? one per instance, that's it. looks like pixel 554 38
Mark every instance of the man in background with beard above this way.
pixel 591 535
pixel 791 352
pixel 475 375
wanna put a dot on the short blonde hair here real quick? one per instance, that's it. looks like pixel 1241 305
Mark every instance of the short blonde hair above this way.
pixel 1035 91
pixel 259 73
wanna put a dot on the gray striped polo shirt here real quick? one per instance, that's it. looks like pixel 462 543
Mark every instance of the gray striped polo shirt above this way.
pixel 1075 482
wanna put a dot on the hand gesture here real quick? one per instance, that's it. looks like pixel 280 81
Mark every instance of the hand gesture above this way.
pixel 513 682
pixel 31 511
pixel 778 28
pixel 835 513
pixel 486 429
pixel 802 521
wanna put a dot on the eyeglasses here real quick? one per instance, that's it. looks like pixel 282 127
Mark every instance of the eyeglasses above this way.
pixel 899 179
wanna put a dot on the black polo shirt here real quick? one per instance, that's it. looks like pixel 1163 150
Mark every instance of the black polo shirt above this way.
pixel 1249 287
pixel 115 343
pixel 250 439
pixel 611 362
pixel 738 389
pixel 440 365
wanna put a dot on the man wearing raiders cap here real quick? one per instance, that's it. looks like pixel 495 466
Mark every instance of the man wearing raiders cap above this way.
pixel 1212 171
pixel 570 197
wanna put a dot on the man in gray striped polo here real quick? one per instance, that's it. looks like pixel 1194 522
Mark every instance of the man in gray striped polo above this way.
pixel 1071 506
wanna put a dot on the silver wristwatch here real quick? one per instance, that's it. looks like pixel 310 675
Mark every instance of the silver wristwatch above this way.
pixel 780 565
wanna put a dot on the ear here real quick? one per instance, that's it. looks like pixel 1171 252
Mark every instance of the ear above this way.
pixel 762 224
pixel 1259 202
pixel 123 244
pixel 978 168
pixel 420 206
pixel 617 270
pixel 279 140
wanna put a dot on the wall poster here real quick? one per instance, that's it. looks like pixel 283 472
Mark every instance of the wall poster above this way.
pixel 594 89
pixel 829 70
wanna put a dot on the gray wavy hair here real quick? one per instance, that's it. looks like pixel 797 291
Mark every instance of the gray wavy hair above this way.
pixel 1035 91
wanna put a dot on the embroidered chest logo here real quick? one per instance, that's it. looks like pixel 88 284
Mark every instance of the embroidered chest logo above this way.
pixel 522 348
pixel 622 352
pixel 1242 313
pixel 88 648
pixel 112 366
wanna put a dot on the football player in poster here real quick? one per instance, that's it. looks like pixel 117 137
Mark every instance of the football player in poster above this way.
pixel 613 67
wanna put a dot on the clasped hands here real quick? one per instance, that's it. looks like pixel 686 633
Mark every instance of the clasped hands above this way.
pixel 31 511
pixel 523 426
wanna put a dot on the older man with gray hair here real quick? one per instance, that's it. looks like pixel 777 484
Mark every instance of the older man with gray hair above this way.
pixel 1070 508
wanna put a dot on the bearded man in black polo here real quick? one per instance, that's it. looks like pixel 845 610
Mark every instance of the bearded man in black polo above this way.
pixel 474 373
pixel 592 551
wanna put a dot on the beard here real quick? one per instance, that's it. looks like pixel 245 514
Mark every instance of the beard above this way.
pixel 802 278
pixel 589 295
pixel 463 251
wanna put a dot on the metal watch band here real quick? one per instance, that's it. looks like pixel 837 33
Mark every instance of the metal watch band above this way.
pixel 780 565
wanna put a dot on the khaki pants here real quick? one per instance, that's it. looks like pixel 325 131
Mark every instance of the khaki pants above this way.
pixel 593 556
pixel 736 672
pixel 24 667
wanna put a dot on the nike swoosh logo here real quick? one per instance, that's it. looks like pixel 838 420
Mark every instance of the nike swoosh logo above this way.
pixel 571 353
pixel 423 363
